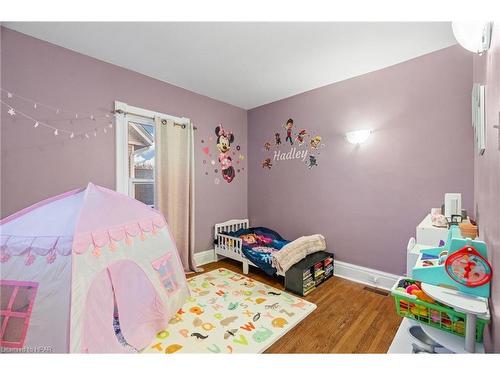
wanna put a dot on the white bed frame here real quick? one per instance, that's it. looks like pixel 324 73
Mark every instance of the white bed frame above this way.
pixel 230 247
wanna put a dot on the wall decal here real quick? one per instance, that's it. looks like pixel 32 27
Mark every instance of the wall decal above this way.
pixel 312 161
pixel 228 155
pixel 224 140
pixel 267 163
pixel 277 139
pixel 299 146
pixel 300 137
pixel 315 142
pixel 289 128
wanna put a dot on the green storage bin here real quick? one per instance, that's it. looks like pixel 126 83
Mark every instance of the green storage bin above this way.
pixel 434 314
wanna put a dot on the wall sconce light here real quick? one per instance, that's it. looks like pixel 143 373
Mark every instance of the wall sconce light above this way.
pixel 473 36
pixel 358 136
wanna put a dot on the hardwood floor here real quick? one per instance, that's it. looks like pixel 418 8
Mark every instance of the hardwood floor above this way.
pixel 348 319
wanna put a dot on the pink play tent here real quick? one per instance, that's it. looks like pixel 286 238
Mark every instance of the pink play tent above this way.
pixel 74 264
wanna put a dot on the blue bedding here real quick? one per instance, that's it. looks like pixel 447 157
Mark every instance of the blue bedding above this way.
pixel 258 244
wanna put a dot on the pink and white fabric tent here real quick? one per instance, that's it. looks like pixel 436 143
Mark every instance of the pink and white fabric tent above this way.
pixel 72 263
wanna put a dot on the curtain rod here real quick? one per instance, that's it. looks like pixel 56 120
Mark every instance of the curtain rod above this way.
pixel 164 122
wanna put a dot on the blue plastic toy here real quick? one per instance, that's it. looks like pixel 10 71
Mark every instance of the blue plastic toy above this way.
pixel 461 264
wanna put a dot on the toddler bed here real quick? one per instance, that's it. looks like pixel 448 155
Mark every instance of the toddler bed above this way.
pixel 257 246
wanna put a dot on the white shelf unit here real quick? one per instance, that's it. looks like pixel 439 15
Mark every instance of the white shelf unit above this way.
pixel 472 306
pixel 429 235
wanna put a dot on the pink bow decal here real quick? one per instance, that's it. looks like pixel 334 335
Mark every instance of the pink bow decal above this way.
pixel 223 132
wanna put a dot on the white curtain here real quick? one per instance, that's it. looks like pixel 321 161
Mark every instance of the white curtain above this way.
pixel 174 184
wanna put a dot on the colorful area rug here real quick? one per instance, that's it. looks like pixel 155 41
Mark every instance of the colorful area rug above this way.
pixel 230 313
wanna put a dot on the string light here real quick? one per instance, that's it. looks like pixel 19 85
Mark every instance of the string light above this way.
pixel 36 123
pixel 37 104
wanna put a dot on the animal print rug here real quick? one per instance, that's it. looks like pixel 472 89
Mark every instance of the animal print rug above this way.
pixel 230 313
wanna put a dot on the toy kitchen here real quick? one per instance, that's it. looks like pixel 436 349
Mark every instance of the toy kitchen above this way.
pixel 444 297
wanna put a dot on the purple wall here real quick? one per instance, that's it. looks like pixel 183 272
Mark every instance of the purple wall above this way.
pixel 487 176
pixel 368 200
pixel 35 164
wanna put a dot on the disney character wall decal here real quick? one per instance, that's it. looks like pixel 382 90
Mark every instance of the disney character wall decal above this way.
pixel 230 158
pixel 224 140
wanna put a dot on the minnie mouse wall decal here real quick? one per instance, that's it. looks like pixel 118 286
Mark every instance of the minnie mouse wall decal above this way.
pixel 224 140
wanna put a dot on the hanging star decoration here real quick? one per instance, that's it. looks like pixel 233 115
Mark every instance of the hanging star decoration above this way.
pixel 56 130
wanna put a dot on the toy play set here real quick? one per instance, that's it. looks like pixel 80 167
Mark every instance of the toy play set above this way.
pixel 413 303
pixel 461 265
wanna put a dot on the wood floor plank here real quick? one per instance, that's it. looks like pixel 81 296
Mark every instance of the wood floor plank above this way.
pixel 348 319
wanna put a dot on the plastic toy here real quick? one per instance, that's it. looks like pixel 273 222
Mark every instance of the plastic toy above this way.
pixel 462 265
pixel 411 288
pixel 459 327
pixel 419 306
pixel 435 316
pixel 418 310
pixel 422 296
pixel 468 267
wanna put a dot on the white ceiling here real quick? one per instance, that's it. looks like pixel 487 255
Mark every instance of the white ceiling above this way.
pixel 246 64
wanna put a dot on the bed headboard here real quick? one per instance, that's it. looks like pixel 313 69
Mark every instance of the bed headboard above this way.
pixel 231 226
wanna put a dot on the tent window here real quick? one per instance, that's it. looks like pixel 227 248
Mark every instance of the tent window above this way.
pixel 16 303
pixel 164 268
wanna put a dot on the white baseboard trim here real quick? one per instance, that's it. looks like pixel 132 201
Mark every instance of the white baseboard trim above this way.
pixel 204 257
pixel 363 275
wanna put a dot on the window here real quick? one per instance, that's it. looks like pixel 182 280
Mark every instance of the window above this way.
pixel 141 161
pixel 16 303
pixel 164 268
pixel 135 151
